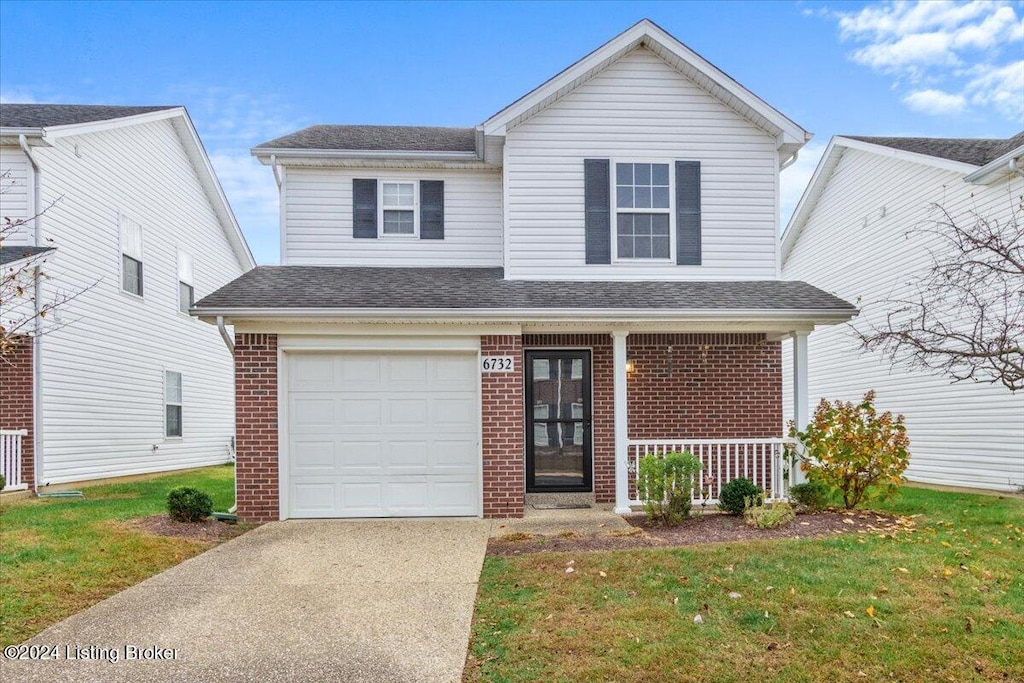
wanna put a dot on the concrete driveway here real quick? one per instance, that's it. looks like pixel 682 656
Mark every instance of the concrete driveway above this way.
pixel 299 601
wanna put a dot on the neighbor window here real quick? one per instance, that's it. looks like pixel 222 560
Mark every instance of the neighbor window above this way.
pixel 131 256
pixel 172 403
pixel 186 290
pixel 643 215
pixel 398 205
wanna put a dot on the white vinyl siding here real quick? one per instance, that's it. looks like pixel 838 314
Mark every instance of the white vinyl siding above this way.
pixel 318 219
pixel 103 383
pixel 16 195
pixel 855 244
pixel 640 108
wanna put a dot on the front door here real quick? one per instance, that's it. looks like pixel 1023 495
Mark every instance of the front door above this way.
pixel 558 434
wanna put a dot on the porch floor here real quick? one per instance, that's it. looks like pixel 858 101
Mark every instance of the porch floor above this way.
pixel 591 521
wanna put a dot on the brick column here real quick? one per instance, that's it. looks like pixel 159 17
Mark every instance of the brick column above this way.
pixel 256 472
pixel 503 445
pixel 16 403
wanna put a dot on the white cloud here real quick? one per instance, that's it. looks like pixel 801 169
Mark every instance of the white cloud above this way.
pixel 935 102
pixel 16 96
pixel 251 189
pixel 794 179
pixel 948 56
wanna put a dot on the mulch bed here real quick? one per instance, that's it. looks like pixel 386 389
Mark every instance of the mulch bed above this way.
pixel 206 530
pixel 708 528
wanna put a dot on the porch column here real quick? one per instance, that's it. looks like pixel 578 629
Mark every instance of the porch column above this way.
pixel 801 415
pixel 621 423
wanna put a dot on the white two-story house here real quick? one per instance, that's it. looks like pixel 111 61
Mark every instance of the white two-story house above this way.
pixel 468 318
pixel 120 211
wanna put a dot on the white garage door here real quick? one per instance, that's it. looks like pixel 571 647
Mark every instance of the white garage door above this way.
pixel 383 435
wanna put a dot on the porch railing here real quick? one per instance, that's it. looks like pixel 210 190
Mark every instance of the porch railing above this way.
pixel 10 458
pixel 763 461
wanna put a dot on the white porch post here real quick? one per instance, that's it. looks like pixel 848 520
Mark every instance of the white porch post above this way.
pixel 801 415
pixel 621 423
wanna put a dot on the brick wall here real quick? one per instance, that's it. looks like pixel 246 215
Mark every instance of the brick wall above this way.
pixel 709 386
pixel 16 402
pixel 256 471
pixel 503 446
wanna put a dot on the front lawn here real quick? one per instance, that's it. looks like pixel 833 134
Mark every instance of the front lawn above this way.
pixel 59 556
pixel 944 603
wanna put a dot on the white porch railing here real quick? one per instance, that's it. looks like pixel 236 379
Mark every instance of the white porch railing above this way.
pixel 762 461
pixel 10 458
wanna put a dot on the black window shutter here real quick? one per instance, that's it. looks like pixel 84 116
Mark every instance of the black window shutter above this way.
pixel 431 209
pixel 688 213
pixel 364 208
pixel 597 210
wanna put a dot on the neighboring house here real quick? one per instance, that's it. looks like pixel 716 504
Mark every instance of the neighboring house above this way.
pixel 853 233
pixel 122 381
pixel 470 320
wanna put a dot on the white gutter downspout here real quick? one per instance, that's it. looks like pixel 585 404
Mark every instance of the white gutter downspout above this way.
pixel 1015 167
pixel 274 167
pixel 37 338
pixel 790 161
pixel 224 335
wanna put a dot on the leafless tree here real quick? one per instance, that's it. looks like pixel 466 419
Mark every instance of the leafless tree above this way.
pixel 964 316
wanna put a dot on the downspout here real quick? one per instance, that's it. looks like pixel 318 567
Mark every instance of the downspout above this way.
pixel 790 161
pixel 1015 167
pixel 37 337
pixel 231 348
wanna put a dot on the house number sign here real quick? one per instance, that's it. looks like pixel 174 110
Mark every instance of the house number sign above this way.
pixel 497 364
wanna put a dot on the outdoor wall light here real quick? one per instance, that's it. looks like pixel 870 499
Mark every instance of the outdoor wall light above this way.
pixel 630 365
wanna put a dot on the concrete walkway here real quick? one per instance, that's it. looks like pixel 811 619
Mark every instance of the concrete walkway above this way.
pixel 298 601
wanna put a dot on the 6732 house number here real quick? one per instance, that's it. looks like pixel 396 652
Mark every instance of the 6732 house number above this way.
pixel 497 364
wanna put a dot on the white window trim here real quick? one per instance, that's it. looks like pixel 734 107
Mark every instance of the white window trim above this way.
pixel 178 282
pixel 164 403
pixel 415 208
pixel 120 257
pixel 613 194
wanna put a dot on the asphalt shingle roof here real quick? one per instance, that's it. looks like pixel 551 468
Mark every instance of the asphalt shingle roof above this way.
pixel 44 115
pixel 379 138
pixel 975 151
pixel 485 288
pixel 12 254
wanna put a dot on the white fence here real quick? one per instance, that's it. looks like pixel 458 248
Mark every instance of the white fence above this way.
pixel 10 458
pixel 763 461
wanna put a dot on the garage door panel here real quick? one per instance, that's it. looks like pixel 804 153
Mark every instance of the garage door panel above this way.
pixel 378 435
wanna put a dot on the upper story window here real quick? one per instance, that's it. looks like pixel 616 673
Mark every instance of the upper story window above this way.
pixel 643 215
pixel 172 404
pixel 131 256
pixel 398 208
pixel 186 287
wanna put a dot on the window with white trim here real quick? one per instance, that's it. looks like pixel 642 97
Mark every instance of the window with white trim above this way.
pixel 398 208
pixel 131 256
pixel 643 211
pixel 186 287
pixel 172 404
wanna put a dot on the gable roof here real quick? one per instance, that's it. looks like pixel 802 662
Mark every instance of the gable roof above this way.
pixel 46 115
pixel 950 154
pixel 9 255
pixel 974 151
pixel 647 34
pixel 53 121
pixel 377 138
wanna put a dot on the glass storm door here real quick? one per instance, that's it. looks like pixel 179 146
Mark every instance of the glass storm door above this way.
pixel 558 440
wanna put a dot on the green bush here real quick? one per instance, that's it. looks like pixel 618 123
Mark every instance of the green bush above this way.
pixel 812 495
pixel 665 484
pixel 733 497
pixel 3 482
pixel 185 504
pixel 854 450
pixel 768 516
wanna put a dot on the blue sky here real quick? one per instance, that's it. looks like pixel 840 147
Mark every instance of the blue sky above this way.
pixel 249 72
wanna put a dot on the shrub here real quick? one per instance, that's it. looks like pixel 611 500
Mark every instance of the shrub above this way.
pixel 3 482
pixel 770 516
pixel 812 495
pixel 665 484
pixel 733 496
pixel 186 504
pixel 852 449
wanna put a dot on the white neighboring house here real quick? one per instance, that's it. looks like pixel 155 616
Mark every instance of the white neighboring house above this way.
pixel 123 381
pixel 849 235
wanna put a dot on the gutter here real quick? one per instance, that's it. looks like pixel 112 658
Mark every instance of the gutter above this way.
pixel 37 338
pixel 1007 162
pixel 262 152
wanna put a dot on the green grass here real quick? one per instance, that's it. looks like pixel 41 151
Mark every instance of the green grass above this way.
pixel 59 556
pixel 948 604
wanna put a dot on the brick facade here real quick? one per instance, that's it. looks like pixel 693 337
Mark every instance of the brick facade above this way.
pixel 256 470
pixel 16 402
pixel 503 432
